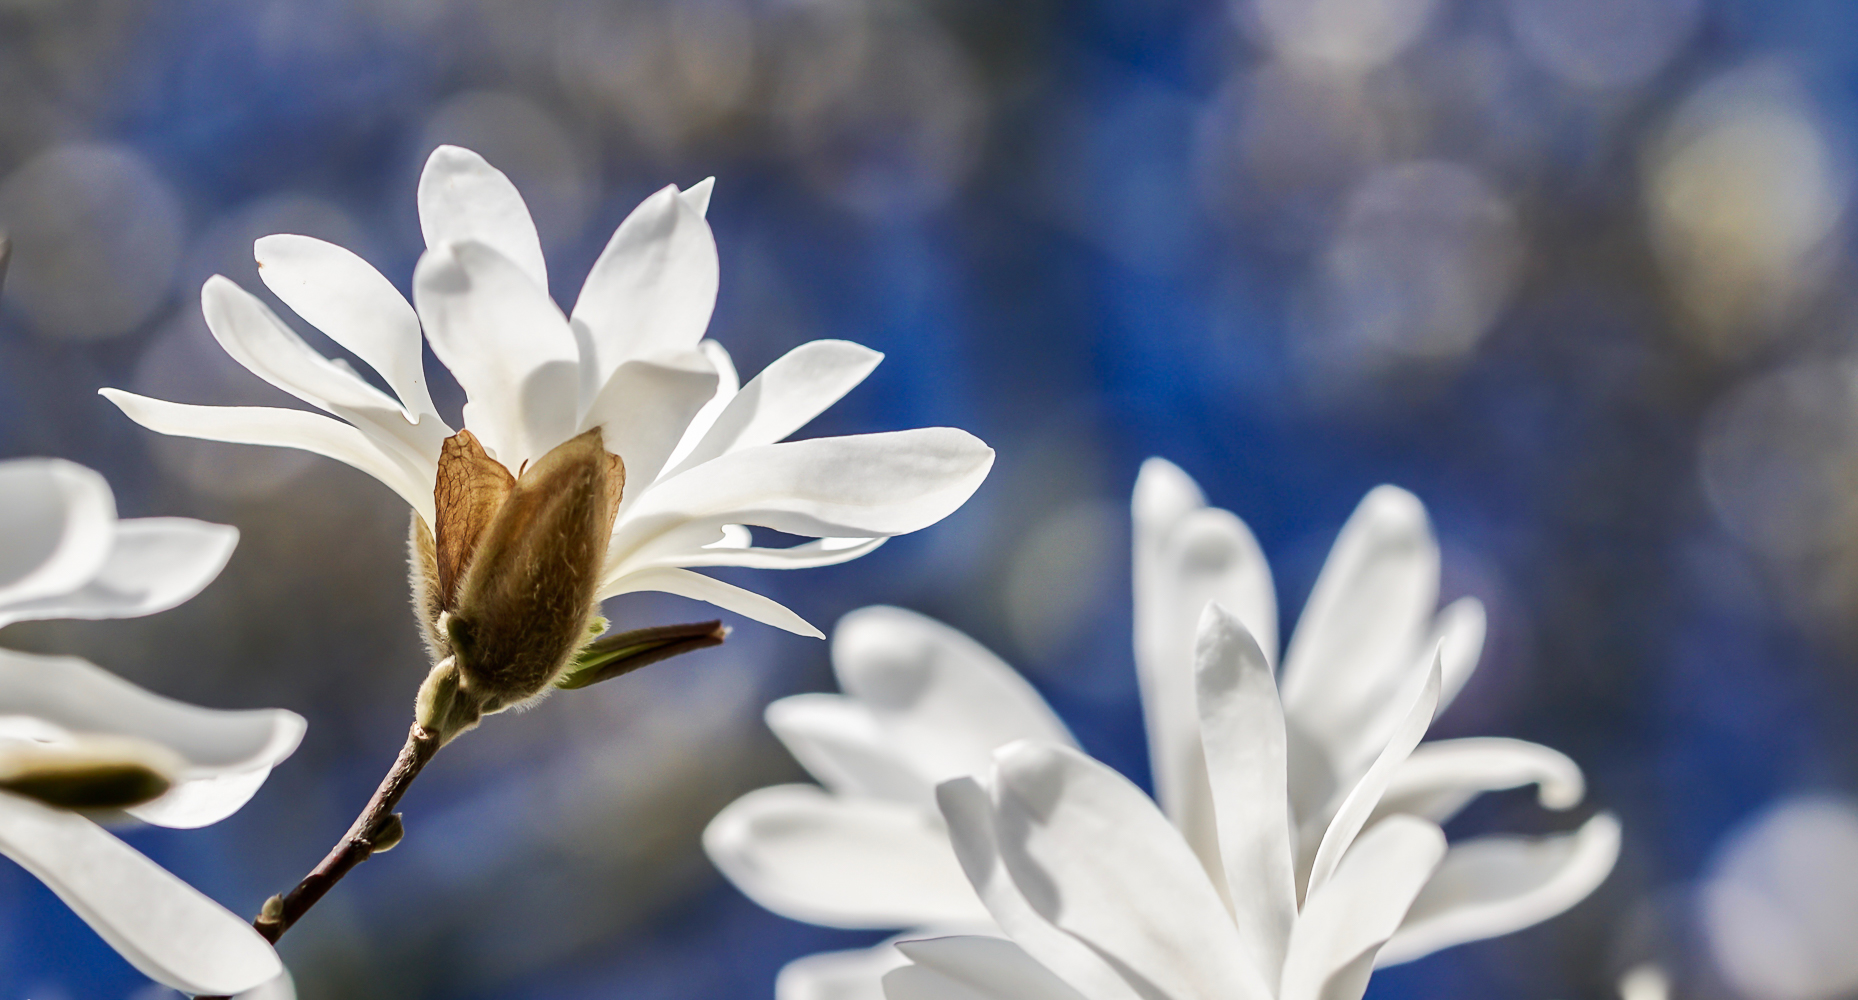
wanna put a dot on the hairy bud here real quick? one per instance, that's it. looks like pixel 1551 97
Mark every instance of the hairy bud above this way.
pixel 445 705
pixel 89 772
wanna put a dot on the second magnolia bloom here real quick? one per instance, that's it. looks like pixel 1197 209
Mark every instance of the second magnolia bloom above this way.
pixel 698 454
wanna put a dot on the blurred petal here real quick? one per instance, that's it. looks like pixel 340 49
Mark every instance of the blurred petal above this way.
pixel 154 564
pixel 1443 775
pixel 644 409
pixel 1094 856
pixel 1361 800
pixel 789 393
pixel 1346 920
pixel 652 290
pixel 228 753
pixel 462 198
pixel 1364 622
pixel 939 697
pixel 60 528
pixel 1242 728
pixel 164 927
pixel 281 988
pixel 727 596
pixel 346 298
pixel 804 854
pixel 284 429
pixel 842 744
pixel 917 982
pixel 969 812
pixel 1491 886
pixel 865 485
pixel 506 343
pixel 1458 634
pixel 988 967
pixel 857 974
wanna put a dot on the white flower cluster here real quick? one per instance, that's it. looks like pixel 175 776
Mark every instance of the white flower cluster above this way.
pixel 1296 842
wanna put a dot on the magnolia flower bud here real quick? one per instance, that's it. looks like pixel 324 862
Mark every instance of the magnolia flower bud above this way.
pixel 506 578
pixel 89 771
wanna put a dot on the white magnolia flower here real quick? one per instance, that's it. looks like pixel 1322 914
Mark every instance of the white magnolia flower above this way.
pixel 1104 899
pixel 78 744
pixel 700 453
pixel 924 703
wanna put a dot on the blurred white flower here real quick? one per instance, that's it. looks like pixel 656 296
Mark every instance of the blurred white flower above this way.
pixel 924 704
pixel 700 453
pixel 1106 900
pixel 78 744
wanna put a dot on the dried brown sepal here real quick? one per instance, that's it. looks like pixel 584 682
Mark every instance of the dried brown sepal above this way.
pixel 521 608
pixel 471 487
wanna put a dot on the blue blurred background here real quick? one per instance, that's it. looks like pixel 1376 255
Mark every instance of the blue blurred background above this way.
pixel 1577 272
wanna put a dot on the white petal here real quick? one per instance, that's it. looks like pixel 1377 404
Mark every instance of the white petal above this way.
pixel 988 967
pixel 154 564
pixel 346 298
pixel 652 290
pixel 1490 886
pixel 917 982
pixel 697 196
pixel 1442 776
pixel 1348 917
pixel 221 748
pixel 941 698
pixel 506 343
pixel 1362 799
pixel 727 596
pixel 164 927
pixel 1365 621
pixel 1208 556
pixel 857 974
pixel 789 393
pixel 1242 729
pixel 1458 634
pixel 253 335
pixel 1645 981
pixel 1093 855
pixel 644 409
pixel 807 555
pixel 281 428
pixel 60 528
pixel 281 988
pixel 969 811
pixel 728 383
pixel 461 198
pixel 865 485
pixel 843 745
pixel 807 855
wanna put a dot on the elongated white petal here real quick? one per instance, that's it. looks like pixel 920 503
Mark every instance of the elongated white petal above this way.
pixel 727 596
pixel 1242 729
pixel 697 196
pixel 60 528
pixel 805 854
pixel 1345 921
pixel 988 967
pixel 1362 799
pixel 154 564
pixel 1365 620
pixel 506 343
pixel 1459 636
pixel 644 409
pixel 865 485
pixel 164 927
pixel 969 811
pixel 857 974
pixel 281 428
pixel 918 982
pixel 789 393
pixel 842 744
pixel 652 290
pixel 941 698
pixel 462 198
pixel 1442 776
pixel 728 383
pixel 280 988
pixel 1093 855
pixel 1208 556
pixel 807 555
pixel 221 748
pixel 346 298
pixel 1489 886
